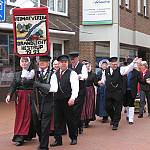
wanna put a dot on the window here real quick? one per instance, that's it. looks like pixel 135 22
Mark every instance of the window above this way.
pixel 17 3
pixel 139 6
pixel 57 48
pixel 145 7
pixel 120 2
pixel 6 59
pixel 127 3
pixel 58 7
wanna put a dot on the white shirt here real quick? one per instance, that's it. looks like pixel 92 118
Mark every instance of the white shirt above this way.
pixel 84 72
pixel 44 71
pixel 123 71
pixel 53 83
pixel 28 74
pixel 74 85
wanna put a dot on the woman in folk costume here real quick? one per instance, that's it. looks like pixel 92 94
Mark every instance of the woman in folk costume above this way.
pixel 22 86
pixel 100 99
pixel 88 111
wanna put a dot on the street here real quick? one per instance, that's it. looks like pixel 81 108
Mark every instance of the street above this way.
pixel 97 137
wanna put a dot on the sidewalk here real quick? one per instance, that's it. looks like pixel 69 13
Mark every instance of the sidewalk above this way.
pixel 97 137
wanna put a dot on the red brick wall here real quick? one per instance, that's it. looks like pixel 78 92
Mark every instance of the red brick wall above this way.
pixel 131 19
pixel 87 51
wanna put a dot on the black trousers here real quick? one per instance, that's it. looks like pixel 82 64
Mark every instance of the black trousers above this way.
pixel 77 108
pixel 130 99
pixel 114 102
pixel 45 117
pixel 62 110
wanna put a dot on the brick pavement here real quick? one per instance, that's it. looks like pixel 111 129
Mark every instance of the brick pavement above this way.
pixel 97 137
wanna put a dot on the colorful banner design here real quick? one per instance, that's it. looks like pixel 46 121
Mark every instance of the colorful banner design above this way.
pixel 31 36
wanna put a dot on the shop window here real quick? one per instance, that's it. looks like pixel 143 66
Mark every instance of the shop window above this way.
pixel 6 60
pixel 58 7
pixel 17 3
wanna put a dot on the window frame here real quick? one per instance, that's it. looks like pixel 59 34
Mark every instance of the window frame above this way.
pixel 55 9
pixel 127 4
pixel 139 6
pixel 13 3
pixel 145 9
pixel 56 41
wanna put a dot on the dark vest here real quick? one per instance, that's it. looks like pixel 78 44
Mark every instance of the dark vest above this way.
pixel 113 82
pixel 78 70
pixel 64 85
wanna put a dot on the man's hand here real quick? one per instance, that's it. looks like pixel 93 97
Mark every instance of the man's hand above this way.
pixel 137 60
pixel 100 82
pixel 71 102
pixel 148 80
pixel 7 100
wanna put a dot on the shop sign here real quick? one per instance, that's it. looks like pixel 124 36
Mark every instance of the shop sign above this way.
pixel 96 12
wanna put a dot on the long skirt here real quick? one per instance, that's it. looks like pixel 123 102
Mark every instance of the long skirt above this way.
pixel 23 112
pixel 100 102
pixel 88 111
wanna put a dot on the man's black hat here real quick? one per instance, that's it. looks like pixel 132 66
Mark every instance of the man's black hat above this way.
pixel 44 58
pixel 63 58
pixel 113 59
pixel 74 54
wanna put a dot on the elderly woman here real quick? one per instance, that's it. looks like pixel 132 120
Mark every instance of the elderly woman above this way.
pixel 88 111
pixel 100 100
pixel 22 86
pixel 145 89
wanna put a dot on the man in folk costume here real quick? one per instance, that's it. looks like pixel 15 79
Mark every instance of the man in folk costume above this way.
pixel 46 85
pixel 82 72
pixel 22 85
pixel 64 101
pixel 112 78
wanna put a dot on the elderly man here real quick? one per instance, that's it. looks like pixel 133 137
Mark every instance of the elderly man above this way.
pixel 82 72
pixel 112 78
pixel 64 101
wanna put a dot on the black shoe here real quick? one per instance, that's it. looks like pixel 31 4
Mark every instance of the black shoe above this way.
pixel 140 116
pixel 115 127
pixel 56 143
pixel 51 133
pixel 80 130
pixel 131 123
pixel 111 123
pixel 18 143
pixel 73 142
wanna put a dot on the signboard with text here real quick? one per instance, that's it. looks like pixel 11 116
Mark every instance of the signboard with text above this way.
pixel 31 35
pixel 97 12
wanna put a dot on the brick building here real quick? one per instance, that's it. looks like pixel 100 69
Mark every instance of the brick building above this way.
pixel 127 36
pixel 63 29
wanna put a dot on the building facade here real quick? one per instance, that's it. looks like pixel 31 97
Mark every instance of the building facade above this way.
pixel 127 36
pixel 63 30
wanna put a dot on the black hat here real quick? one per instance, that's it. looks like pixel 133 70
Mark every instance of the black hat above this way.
pixel 44 58
pixel 113 59
pixel 74 54
pixel 63 57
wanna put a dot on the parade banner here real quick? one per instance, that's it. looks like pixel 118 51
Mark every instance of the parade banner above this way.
pixel 31 35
